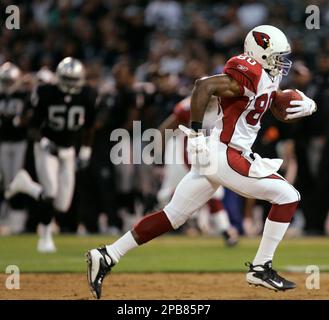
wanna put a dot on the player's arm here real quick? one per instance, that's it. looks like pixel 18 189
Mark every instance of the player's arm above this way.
pixel 219 85
pixel 24 119
pixel 88 136
pixel 38 114
pixel 93 104
pixel 86 148
pixel 180 115
pixel 171 123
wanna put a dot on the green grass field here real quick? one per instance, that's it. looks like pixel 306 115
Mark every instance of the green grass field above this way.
pixel 166 254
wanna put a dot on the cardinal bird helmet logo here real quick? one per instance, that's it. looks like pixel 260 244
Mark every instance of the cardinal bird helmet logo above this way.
pixel 262 39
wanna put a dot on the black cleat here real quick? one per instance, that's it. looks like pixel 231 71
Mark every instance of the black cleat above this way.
pixel 264 275
pixel 99 264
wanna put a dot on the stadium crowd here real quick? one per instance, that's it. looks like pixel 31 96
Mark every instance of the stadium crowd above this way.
pixel 143 57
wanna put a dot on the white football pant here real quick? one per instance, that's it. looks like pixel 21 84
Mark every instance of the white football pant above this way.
pixel 56 174
pixel 230 170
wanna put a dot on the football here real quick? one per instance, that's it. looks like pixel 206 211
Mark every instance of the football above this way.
pixel 282 102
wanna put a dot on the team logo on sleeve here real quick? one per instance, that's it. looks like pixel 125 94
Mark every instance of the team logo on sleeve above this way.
pixel 262 39
pixel 242 68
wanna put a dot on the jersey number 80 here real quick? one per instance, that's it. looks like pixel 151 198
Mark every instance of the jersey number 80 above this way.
pixel 261 104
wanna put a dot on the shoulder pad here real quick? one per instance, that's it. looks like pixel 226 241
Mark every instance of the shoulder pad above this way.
pixel 245 70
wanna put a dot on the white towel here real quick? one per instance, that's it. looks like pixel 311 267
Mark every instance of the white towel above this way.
pixel 263 167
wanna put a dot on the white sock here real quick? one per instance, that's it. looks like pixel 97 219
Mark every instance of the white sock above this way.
pixel 120 247
pixel 17 220
pixel 272 235
pixel 35 190
pixel 46 231
pixel 221 221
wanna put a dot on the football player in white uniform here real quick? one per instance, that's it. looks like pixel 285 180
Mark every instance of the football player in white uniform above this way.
pixel 14 116
pixel 217 221
pixel 245 91
pixel 63 118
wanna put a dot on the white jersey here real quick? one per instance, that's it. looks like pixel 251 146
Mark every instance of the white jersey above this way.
pixel 240 117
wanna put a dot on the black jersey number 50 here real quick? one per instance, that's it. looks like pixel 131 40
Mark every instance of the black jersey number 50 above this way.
pixel 61 118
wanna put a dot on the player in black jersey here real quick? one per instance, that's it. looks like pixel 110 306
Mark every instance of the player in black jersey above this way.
pixel 13 116
pixel 62 119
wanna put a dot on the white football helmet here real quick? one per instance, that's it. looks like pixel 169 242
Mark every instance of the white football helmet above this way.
pixel 9 77
pixel 268 45
pixel 71 75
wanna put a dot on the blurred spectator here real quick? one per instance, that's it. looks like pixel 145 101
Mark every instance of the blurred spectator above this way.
pixel 164 14
pixel 40 9
pixel 166 95
pixel 173 62
pixel 252 13
pixel 230 32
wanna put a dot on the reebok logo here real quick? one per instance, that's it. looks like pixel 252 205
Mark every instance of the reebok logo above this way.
pixel 242 68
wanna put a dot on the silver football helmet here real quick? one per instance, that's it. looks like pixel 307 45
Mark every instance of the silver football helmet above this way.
pixel 71 75
pixel 9 77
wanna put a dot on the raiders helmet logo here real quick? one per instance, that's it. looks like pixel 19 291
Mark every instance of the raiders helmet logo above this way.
pixel 262 39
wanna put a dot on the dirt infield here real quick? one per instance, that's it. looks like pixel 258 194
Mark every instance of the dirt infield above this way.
pixel 157 286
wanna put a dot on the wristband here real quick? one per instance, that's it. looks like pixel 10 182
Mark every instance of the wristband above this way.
pixel 196 126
